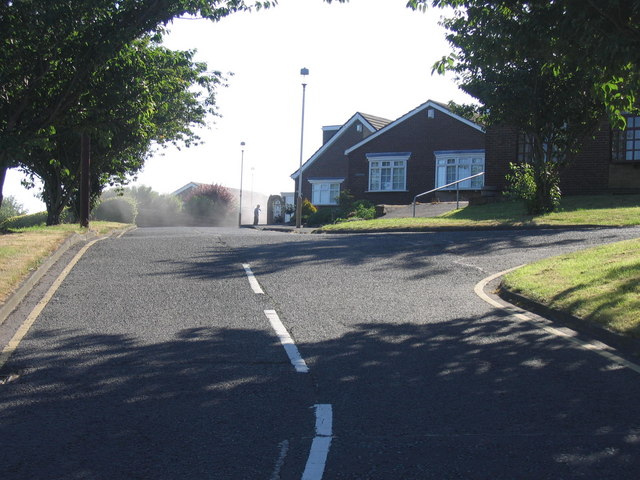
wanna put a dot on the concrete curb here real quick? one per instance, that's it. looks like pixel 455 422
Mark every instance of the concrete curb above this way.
pixel 589 337
pixel 25 287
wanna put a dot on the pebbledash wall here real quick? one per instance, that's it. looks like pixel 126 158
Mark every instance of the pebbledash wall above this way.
pixel 420 135
pixel 591 171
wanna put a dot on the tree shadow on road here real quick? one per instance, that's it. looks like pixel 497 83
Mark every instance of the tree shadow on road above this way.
pixel 412 252
pixel 473 397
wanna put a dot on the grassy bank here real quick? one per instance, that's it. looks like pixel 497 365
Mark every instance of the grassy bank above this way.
pixel 600 210
pixel 600 285
pixel 23 250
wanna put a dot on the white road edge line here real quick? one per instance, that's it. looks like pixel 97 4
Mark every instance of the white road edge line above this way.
pixel 255 286
pixel 287 342
pixel 568 334
pixel 11 347
pixel 321 443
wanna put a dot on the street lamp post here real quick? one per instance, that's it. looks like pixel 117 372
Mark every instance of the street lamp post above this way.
pixel 252 169
pixel 241 171
pixel 304 72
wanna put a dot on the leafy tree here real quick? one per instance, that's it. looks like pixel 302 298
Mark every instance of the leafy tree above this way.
pixel 49 50
pixel 506 55
pixel 145 96
pixel 11 208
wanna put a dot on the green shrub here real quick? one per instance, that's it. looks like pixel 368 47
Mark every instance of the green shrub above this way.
pixel 25 221
pixel 308 209
pixel 322 216
pixel 521 185
pixel 116 209
pixel 363 209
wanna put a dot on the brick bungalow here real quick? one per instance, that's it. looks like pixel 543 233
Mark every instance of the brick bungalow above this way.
pixel 427 148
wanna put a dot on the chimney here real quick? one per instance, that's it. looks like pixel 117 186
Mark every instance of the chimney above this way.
pixel 329 131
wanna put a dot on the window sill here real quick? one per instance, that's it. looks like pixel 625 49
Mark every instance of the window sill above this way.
pixel 385 191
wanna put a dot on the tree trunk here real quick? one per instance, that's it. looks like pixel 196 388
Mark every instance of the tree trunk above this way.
pixel 545 175
pixel 3 175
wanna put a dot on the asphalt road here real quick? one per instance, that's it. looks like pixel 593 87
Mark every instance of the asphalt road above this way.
pixel 155 360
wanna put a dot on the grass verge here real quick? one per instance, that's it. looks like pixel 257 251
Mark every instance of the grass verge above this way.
pixel 23 250
pixel 595 210
pixel 600 285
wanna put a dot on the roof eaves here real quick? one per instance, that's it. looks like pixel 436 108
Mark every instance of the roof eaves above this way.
pixel 324 147
pixel 429 103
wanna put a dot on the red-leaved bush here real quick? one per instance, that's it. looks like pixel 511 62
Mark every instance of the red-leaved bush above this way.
pixel 210 205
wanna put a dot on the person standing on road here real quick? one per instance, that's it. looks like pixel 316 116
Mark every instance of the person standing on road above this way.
pixel 256 215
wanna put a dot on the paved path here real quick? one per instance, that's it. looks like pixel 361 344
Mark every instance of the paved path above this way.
pixel 422 209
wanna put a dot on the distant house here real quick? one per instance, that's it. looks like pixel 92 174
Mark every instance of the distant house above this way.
pixel 609 162
pixel 184 191
pixel 389 162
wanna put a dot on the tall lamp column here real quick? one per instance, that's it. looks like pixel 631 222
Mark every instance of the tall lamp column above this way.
pixel 304 72
pixel 241 171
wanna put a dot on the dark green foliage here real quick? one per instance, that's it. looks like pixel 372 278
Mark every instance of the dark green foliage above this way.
pixel 96 67
pixel 117 209
pixel 509 56
pixel 24 221
pixel 323 216
pixel 347 209
pixel 522 185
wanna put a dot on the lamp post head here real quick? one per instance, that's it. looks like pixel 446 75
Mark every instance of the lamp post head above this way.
pixel 304 71
pixel 242 144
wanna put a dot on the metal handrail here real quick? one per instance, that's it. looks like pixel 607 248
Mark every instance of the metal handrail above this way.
pixel 443 187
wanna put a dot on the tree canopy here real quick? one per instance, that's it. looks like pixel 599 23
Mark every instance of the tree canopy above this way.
pixel 146 95
pixel 542 66
pixel 51 50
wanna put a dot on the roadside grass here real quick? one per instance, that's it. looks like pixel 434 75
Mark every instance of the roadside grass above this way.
pixel 594 210
pixel 23 250
pixel 600 285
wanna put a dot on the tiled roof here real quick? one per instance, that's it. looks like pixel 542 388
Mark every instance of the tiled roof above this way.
pixel 376 122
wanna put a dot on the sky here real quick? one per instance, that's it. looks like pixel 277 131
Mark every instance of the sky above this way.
pixel 368 56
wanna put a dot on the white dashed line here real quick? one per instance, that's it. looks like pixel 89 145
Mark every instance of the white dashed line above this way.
pixel 321 443
pixel 287 342
pixel 255 286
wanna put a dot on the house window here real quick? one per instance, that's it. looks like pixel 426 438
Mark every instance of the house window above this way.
pixel 524 148
pixel 625 144
pixel 456 165
pixel 387 172
pixel 325 192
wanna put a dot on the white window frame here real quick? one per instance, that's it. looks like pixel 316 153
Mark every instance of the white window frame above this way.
pixel 322 189
pixel 388 172
pixel 454 165
pixel 626 143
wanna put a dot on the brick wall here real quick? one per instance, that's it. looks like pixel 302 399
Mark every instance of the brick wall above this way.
pixel 586 173
pixel 421 136
pixel 333 162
